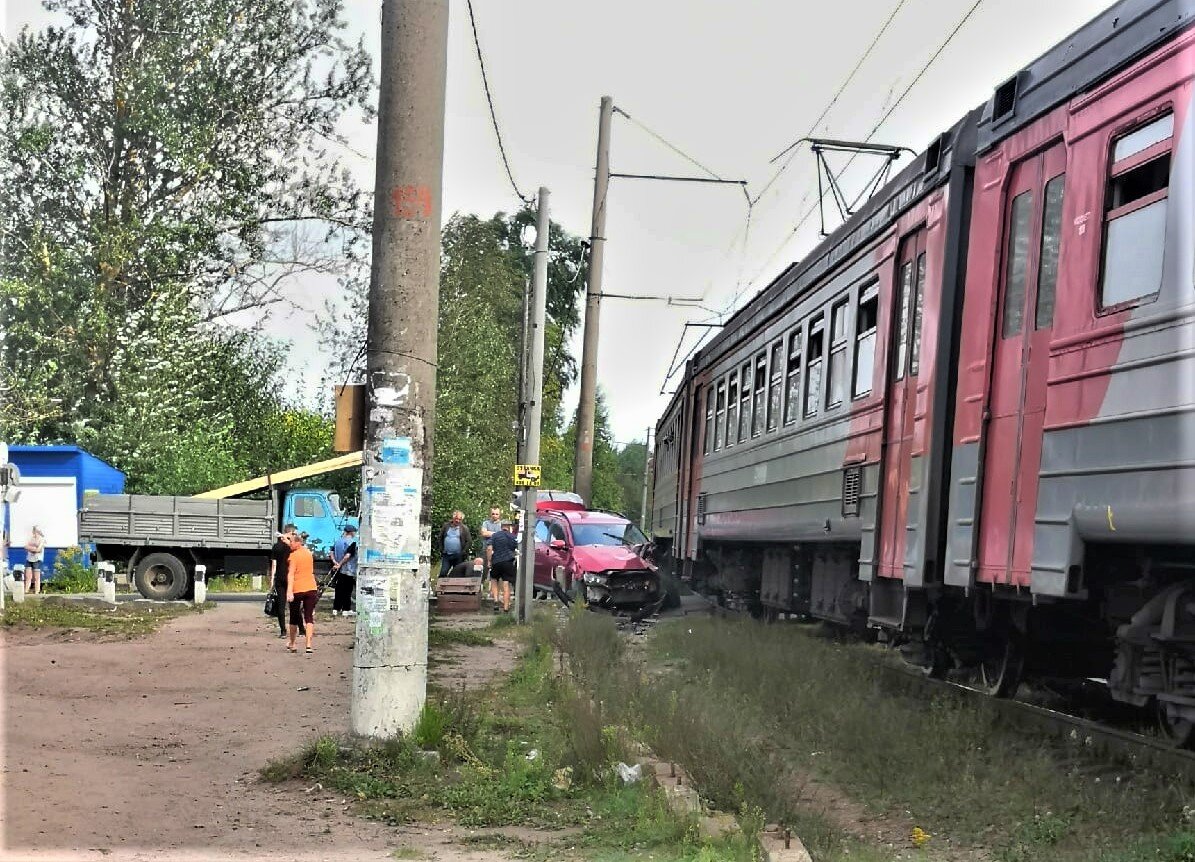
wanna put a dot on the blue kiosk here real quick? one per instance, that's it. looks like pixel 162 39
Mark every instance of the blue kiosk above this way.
pixel 54 480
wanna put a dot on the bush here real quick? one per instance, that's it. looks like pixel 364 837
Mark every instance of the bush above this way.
pixel 70 575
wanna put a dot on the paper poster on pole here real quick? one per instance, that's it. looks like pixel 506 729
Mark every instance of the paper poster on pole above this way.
pixel 373 600
pixel 393 500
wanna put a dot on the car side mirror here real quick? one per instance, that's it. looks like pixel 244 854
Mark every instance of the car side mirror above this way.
pixel 557 544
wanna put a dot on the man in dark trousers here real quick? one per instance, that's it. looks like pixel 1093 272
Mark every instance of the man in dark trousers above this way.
pixel 344 571
pixel 503 566
pixel 279 561
pixel 455 542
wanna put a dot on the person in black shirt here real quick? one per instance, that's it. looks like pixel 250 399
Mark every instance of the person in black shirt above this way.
pixel 279 565
pixel 502 563
pixel 466 568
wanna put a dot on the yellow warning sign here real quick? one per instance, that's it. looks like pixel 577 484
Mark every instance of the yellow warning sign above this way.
pixel 526 475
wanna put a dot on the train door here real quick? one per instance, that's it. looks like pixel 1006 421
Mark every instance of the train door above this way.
pixel 1020 362
pixel 902 403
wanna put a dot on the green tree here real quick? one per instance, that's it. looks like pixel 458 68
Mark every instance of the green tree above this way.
pixel 607 493
pixel 631 461
pixel 165 165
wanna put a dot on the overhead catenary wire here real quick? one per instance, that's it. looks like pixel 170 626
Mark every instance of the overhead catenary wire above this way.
pixel 688 158
pixel 791 150
pixel 833 101
pixel 485 81
pixel 875 128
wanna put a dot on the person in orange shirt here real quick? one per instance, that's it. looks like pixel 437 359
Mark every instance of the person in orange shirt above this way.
pixel 302 592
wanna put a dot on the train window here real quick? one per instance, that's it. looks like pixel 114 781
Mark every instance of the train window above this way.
pixel 836 384
pixel 774 385
pixel 732 409
pixel 709 419
pixel 744 404
pixel 1016 268
pixel 865 342
pixel 719 415
pixel 918 300
pixel 1135 213
pixel 1143 138
pixel 792 385
pixel 905 287
pixel 1051 242
pixel 759 411
pixel 813 365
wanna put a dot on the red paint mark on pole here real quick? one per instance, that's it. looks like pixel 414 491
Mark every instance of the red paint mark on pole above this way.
pixel 411 202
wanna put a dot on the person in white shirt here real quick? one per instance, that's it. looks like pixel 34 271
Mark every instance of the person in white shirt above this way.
pixel 35 551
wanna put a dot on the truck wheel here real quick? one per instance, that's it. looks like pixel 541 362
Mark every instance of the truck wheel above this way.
pixel 161 577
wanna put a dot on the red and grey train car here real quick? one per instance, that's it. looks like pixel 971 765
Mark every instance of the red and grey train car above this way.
pixel 968 416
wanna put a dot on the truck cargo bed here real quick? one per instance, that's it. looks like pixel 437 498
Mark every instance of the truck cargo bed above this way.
pixel 177 521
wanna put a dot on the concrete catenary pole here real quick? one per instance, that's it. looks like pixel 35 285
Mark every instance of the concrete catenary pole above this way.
pixel 394 558
pixel 524 358
pixel 535 404
pixel 583 462
pixel 643 519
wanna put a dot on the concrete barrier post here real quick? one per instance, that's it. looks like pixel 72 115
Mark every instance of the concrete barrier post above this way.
pixel 18 584
pixel 256 583
pixel 200 584
pixel 99 578
pixel 108 586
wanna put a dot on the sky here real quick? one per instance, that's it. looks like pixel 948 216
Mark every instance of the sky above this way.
pixel 731 85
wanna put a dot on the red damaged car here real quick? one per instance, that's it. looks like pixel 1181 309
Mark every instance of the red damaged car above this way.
pixel 598 555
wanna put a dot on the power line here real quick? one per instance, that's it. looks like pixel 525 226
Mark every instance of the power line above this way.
pixel 493 115
pixel 688 158
pixel 942 47
pixel 833 101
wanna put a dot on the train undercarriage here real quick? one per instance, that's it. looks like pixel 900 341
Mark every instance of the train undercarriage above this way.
pixel 1129 622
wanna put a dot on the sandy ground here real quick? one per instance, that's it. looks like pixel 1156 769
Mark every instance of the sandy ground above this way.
pixel 149 749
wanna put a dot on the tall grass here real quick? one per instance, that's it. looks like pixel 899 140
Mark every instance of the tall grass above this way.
pixel 755 712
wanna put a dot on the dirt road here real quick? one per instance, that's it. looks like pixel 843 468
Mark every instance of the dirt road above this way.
pixel 149 749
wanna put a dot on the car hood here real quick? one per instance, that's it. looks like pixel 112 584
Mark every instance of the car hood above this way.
pixel 600 558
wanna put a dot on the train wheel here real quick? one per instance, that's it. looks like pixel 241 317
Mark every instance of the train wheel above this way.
pixel 1003 664
pixel 1179 731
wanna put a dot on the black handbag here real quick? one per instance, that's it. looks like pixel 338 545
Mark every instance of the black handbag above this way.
pixel 271 608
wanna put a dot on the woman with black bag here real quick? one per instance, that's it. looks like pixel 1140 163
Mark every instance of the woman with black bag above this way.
pixel 279 563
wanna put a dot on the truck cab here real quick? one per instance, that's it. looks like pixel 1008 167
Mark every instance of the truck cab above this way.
pixel 318 514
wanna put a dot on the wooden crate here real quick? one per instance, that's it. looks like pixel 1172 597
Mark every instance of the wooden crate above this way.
pixel 456 604
pixel 455 595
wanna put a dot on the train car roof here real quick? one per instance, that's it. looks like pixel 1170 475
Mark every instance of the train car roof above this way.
pixel 1109 42
pixel 927 171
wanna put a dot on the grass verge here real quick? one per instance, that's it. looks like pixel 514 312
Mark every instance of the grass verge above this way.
pixel 765 715
pixel 439 637
pixel 232 584
pixel 528 752
pixel 128 619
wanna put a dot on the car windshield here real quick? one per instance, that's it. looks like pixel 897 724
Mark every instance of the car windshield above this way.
pixel 607 534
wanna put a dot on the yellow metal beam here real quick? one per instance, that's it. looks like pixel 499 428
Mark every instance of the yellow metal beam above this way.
pixel 341 462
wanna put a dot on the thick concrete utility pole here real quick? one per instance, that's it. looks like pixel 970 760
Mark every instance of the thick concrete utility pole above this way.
pixel 583 463
pixel 535 406
pixel 394 558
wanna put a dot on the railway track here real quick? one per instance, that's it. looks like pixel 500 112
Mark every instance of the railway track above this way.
pixel 1095 738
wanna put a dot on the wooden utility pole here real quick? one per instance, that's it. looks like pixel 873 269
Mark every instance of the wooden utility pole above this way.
pixel 583 461
pixel 394 559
